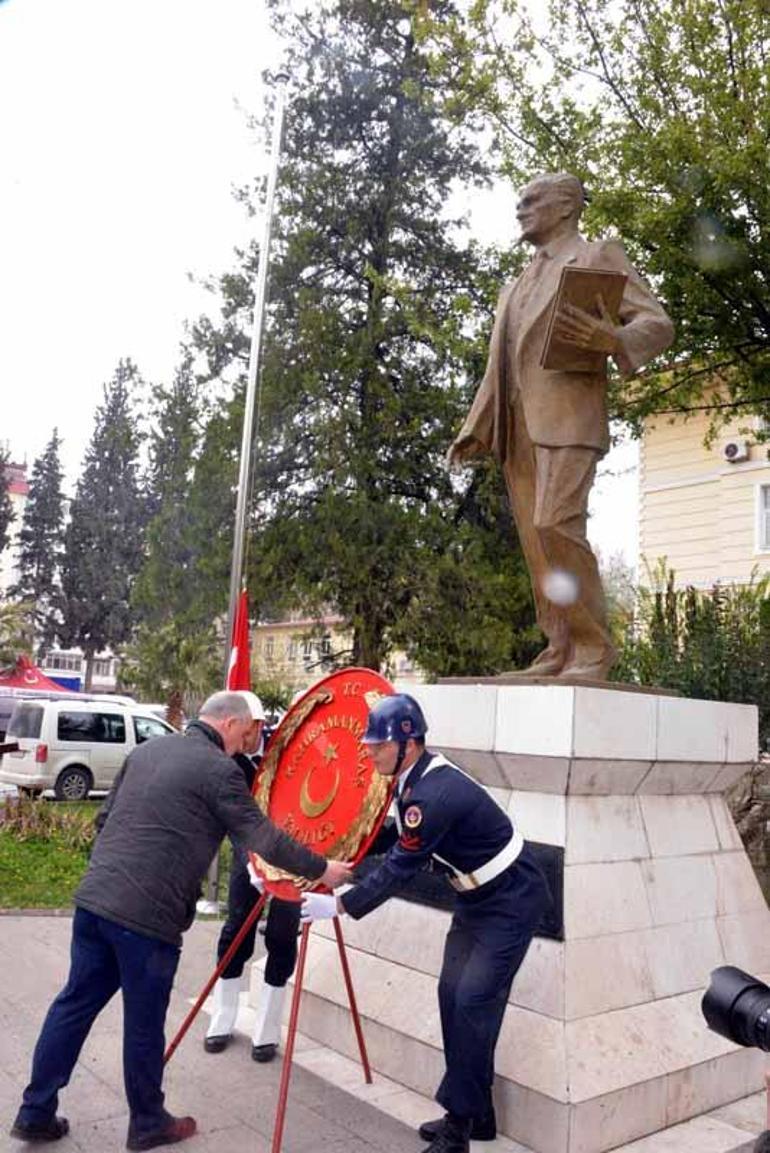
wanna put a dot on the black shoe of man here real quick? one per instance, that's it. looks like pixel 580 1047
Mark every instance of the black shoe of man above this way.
pixel 216 1044
pixel 482 1128
pixel 453 1137
pixel 263 1053
pixel 52 1130
pixel 176 1129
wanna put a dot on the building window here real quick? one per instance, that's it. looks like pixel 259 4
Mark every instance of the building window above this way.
pixel 325 648
pixel 269 648
pixel 101 668
pixel 64 662
pixel 291 649
pixel 307 650
pixel 763 518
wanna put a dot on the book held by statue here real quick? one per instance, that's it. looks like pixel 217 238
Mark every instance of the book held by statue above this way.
pixel 581 287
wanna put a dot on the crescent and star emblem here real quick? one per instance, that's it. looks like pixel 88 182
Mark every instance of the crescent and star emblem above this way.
pixel 313 808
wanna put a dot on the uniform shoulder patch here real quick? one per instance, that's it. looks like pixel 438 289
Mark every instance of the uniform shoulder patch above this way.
pixel 413 817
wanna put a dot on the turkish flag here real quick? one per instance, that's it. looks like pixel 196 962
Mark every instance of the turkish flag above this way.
pixel 239 672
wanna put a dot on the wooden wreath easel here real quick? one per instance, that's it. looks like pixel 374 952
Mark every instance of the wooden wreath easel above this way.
pixel 283 1092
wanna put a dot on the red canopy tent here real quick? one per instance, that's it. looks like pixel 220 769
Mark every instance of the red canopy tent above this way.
pixel 26 675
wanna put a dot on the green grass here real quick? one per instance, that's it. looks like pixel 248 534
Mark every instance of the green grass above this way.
pixel 43 873
pixel 38 874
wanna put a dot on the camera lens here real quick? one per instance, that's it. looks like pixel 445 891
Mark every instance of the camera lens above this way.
pixel 737 1006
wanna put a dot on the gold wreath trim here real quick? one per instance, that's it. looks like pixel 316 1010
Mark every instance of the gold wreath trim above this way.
pixel 345 847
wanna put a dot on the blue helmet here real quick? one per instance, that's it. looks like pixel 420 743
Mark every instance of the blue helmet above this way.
pixel 395 718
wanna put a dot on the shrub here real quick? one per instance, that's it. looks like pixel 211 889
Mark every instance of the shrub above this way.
pixel 29 820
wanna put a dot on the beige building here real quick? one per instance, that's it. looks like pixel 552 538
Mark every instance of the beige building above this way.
pixel 298 651
pixel 705 509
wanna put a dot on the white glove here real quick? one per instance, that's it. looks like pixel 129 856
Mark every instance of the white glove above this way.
pixel 255 878
pixel 318 907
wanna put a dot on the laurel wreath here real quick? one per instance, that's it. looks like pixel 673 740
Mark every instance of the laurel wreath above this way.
pixel 346 846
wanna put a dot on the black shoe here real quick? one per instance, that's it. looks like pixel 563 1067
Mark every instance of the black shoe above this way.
pixel 176 1129
pixel 52 1130
pixel 453 1136
pixel 216 1044
pixel 482 1128
pixel 263 1053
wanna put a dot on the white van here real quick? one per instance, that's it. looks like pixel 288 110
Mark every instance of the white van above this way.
pixel 73 747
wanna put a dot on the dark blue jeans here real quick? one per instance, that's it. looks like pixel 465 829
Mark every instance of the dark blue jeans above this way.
pixel 106 957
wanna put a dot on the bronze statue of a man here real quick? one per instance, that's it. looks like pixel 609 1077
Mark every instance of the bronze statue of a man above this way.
pixel 549 429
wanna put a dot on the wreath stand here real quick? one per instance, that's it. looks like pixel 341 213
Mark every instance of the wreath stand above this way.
pixel 283 1092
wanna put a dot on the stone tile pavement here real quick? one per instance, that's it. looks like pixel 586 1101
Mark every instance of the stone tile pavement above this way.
pixel 233 1099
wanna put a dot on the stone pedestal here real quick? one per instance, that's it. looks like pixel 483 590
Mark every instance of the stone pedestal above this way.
pixel 603 1040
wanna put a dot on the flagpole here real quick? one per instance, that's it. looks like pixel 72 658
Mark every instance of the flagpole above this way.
pixel 252 383
pixel 250 410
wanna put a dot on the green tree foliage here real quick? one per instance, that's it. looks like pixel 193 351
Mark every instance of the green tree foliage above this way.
pixel 471 614
pixel 712 644
pixel 7 516
pixel 40 543
pixel 374 341
pixel 163 586
pixel 103 540
pixel 661 107
pixel 173 654
pixel 275 696
pixel 172 663
pixel 16 631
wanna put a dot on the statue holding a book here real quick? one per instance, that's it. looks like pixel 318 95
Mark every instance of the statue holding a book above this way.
pixel 541 409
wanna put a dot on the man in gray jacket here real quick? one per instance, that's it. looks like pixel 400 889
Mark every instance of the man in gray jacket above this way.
pixel 172 803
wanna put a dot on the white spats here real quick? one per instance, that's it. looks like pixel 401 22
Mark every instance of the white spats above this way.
pixel 267 1027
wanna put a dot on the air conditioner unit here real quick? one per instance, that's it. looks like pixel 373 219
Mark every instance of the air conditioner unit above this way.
pixel 735 450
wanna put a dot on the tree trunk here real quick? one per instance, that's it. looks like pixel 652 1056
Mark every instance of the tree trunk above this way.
pixel 89 659
pixel 174 708
pixel 369 646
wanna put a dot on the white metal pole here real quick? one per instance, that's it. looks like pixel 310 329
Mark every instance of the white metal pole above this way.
pixel 252 383
pixel 253 389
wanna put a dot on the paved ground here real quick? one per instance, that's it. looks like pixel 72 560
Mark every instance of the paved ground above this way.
pixel 232 1098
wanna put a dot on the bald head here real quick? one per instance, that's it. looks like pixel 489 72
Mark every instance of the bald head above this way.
pixel 229 714
pixel 550 206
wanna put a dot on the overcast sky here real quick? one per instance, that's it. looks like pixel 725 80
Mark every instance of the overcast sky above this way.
pixel 122 135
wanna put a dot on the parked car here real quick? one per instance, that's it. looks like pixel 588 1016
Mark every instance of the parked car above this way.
pixel 10 697
pixel 71 746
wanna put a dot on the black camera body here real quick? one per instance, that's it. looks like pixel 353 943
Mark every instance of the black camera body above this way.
pixel 737 1006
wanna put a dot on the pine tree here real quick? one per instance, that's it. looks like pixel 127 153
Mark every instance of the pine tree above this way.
pixel 163 586
pixel 174 652
pixel 373 343
pixel 103 541
pixel 40 543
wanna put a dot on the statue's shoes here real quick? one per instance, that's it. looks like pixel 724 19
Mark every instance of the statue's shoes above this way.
pixel 591 666
pixel 549 663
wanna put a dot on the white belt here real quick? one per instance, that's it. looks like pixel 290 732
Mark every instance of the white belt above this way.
pixel 466 882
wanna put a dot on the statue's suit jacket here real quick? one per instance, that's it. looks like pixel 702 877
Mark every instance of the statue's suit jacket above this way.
pixel 560 408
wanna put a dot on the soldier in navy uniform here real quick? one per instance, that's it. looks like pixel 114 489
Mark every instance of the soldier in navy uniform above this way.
pixel 281 930
pixel 445 817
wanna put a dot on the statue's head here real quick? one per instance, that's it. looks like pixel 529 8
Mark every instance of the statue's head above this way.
pixel 550 205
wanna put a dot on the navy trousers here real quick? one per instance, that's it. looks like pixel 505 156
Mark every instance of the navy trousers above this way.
pixel 280 931
pixel 106 957
pixel 488 939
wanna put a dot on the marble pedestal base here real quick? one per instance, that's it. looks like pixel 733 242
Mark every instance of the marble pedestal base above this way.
pixel 603 1041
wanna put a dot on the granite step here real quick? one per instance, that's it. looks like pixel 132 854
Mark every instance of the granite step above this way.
pixel 730 1129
